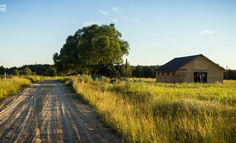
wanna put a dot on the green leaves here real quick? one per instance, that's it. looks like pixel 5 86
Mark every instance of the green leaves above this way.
pixel 91 49
pixel 16 72
pixel 27 71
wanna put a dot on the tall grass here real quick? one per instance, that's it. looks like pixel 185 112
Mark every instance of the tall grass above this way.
pixel 11 85
pixel 157 112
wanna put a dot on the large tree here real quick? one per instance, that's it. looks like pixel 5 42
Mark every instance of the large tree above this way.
pixel 91 49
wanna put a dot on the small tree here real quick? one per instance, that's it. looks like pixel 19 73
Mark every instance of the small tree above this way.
pixel 27 71
pixel 21 72
pixel 129 70
pixel 16 72
pixel 114 71
pixel 50 71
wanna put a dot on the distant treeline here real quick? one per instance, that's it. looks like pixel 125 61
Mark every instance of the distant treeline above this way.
pixel 230 74
pixel 132 71
pixel 113 71
pixel 38 69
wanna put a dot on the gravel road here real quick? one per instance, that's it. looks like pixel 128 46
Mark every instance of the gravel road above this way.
pixel 48 112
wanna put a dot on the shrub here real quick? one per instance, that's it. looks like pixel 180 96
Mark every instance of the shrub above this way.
pixel 27 71
pixel 16 72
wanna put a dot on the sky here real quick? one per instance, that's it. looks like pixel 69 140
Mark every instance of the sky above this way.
pixel 157 30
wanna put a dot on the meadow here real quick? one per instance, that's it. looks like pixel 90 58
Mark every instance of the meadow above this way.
pixel 140 110
pixel 13 84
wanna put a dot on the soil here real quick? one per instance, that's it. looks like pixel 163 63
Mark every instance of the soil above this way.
pixel 48 111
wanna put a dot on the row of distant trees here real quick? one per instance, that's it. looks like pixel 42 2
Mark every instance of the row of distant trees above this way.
pixel 118 70
pixel 132 71
pixel 230 74
pixel 26 71
pixel 46 70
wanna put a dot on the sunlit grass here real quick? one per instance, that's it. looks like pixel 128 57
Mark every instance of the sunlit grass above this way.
pixel 11 85
pixel 149 80
pixel 142 111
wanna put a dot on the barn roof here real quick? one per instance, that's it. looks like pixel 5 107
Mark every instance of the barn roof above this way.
pixel 176 63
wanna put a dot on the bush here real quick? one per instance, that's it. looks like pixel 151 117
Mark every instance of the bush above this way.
pixel 95 76
pixel 16 72
pixel 85 78
pixel 27 71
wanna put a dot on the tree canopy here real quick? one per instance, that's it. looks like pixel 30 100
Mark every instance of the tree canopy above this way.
pixel 16 72
pixel 92 49
pixel 27 71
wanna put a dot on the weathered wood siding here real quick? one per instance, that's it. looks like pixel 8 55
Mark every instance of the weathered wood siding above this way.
pixel 164 78
pixel 214 72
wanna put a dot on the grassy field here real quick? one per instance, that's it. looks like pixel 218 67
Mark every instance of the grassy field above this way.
pixel 141 110
pixel 11 85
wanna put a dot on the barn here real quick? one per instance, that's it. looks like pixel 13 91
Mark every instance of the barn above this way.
pixel 196 68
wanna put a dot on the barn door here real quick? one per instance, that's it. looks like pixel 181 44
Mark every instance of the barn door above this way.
pixel 200 77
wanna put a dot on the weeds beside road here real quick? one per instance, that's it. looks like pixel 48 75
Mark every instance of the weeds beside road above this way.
pixel 155 112
pixel 11 85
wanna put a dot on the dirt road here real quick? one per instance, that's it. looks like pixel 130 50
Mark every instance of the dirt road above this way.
pixel 48 112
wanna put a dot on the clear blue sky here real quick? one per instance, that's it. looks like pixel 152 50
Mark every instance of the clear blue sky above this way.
pixel 157 30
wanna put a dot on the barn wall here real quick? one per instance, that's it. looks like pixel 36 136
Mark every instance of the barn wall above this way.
pixel 164 78
pixel 214 73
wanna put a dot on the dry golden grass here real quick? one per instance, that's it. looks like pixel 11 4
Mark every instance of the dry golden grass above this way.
pixel 156 112
pixel 11 85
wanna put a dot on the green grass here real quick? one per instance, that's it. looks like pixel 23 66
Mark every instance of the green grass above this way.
pixel 11 85
pixel 144 111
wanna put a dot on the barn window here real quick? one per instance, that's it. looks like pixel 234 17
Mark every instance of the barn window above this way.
pixel 157 73
pixel 167 73
pixel 162 73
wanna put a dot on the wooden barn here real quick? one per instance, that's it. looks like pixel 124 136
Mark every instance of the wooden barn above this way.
pixel 196 68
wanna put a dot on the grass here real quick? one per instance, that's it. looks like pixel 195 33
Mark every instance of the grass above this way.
pixel 11 85
pixel 141 110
